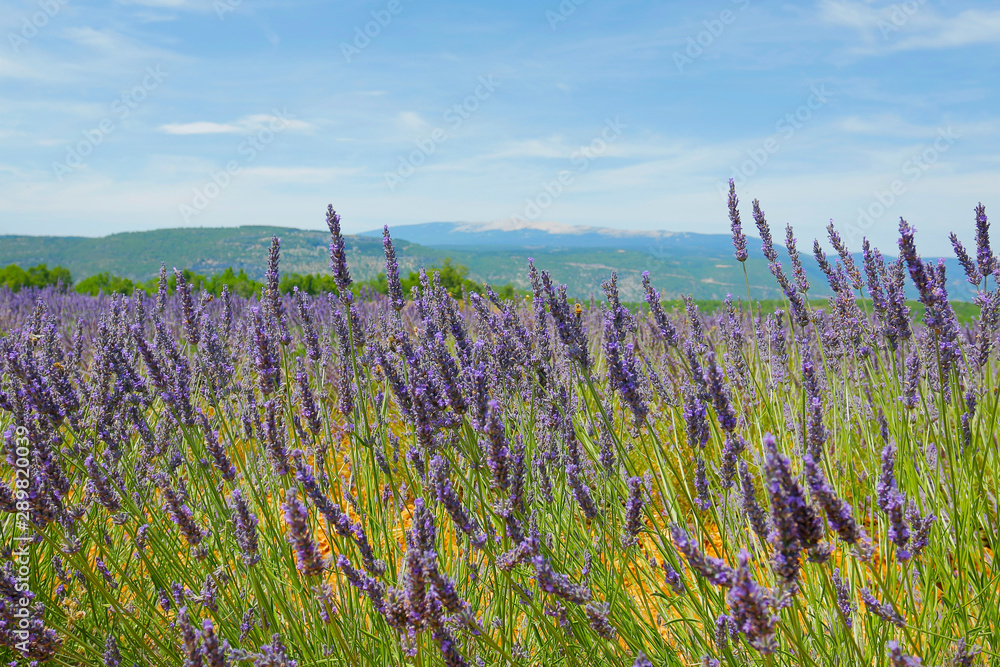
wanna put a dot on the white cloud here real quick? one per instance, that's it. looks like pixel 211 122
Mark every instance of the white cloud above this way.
pixel 895 27
pixel 251 123
pixel 200 127
pixel 410 120
pixel 300 174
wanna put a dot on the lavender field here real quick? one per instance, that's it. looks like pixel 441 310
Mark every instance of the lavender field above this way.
pixel 414 479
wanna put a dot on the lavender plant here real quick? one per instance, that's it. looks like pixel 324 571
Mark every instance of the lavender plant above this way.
pixel 419 480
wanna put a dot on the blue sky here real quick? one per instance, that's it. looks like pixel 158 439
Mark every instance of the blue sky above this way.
pixel 118 116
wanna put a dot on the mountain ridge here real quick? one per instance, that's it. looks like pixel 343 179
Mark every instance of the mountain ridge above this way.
pixel 702 265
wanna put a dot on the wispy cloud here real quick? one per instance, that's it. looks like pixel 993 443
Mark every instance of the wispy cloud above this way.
pixel 253 123
pixel 895 27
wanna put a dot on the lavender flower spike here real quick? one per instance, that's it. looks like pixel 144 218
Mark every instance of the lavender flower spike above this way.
pixel 395 292
pixel 750 606
pixel 739 238
pixel 713 569
pixel 338 255
pixel 307 556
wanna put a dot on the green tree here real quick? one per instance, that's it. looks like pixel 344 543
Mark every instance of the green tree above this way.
pixel 15 278
pixel 106 283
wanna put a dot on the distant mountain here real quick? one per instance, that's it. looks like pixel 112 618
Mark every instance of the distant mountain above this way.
pixel 555 235
pixel 581 257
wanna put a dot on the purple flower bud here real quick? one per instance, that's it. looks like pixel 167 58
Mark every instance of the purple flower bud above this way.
pixel 845 601
pixel 338 255
pixel 883 610
pixel 395 292
pixel 307 557
pixel 597 614
pixel 899 659
pixel 713 569
pixel 633 511
pixel 739 238
pixel 112 656
pixel 750 604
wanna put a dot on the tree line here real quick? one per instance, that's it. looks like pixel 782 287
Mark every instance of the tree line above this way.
pixel 453 277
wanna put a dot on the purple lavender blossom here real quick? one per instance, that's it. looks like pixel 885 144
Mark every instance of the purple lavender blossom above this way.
pixel 216 450
pixel 795 524
pixel 112 656
pixel 672 578
pixel 968 264
pixel 265 354
pixel 739 238
pixel 767 242
pixel 192 646
pixel 702 500
pixel 853 273
pixel 446 496
pixel 845 601
pixel 695 418
pixel 307 401
pixel 838 512
pixel 245 524
pixel 215 653
pixel 181 515
pixel 558 584
pixel 713 569
pixel 396 299
pixel 883 610
pixel 899 659
pixel 732 447
pixel 754 512
pixel 338 255
pixel 597 614
pixel 893 503
pixel 749 605
pixel 664 327
pixel 187 301
pixel 984 254
pixel 274 308
pixel 582 492
pixel 642 661
pixel 307 557
pixel 633 511
pixel 798 271
pixel 623 374
pixel 964 656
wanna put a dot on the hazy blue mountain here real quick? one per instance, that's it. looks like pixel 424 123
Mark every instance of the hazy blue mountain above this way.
pixel 581 257
pixel 552 236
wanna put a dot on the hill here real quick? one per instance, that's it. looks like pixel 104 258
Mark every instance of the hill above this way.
pixel 581 257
